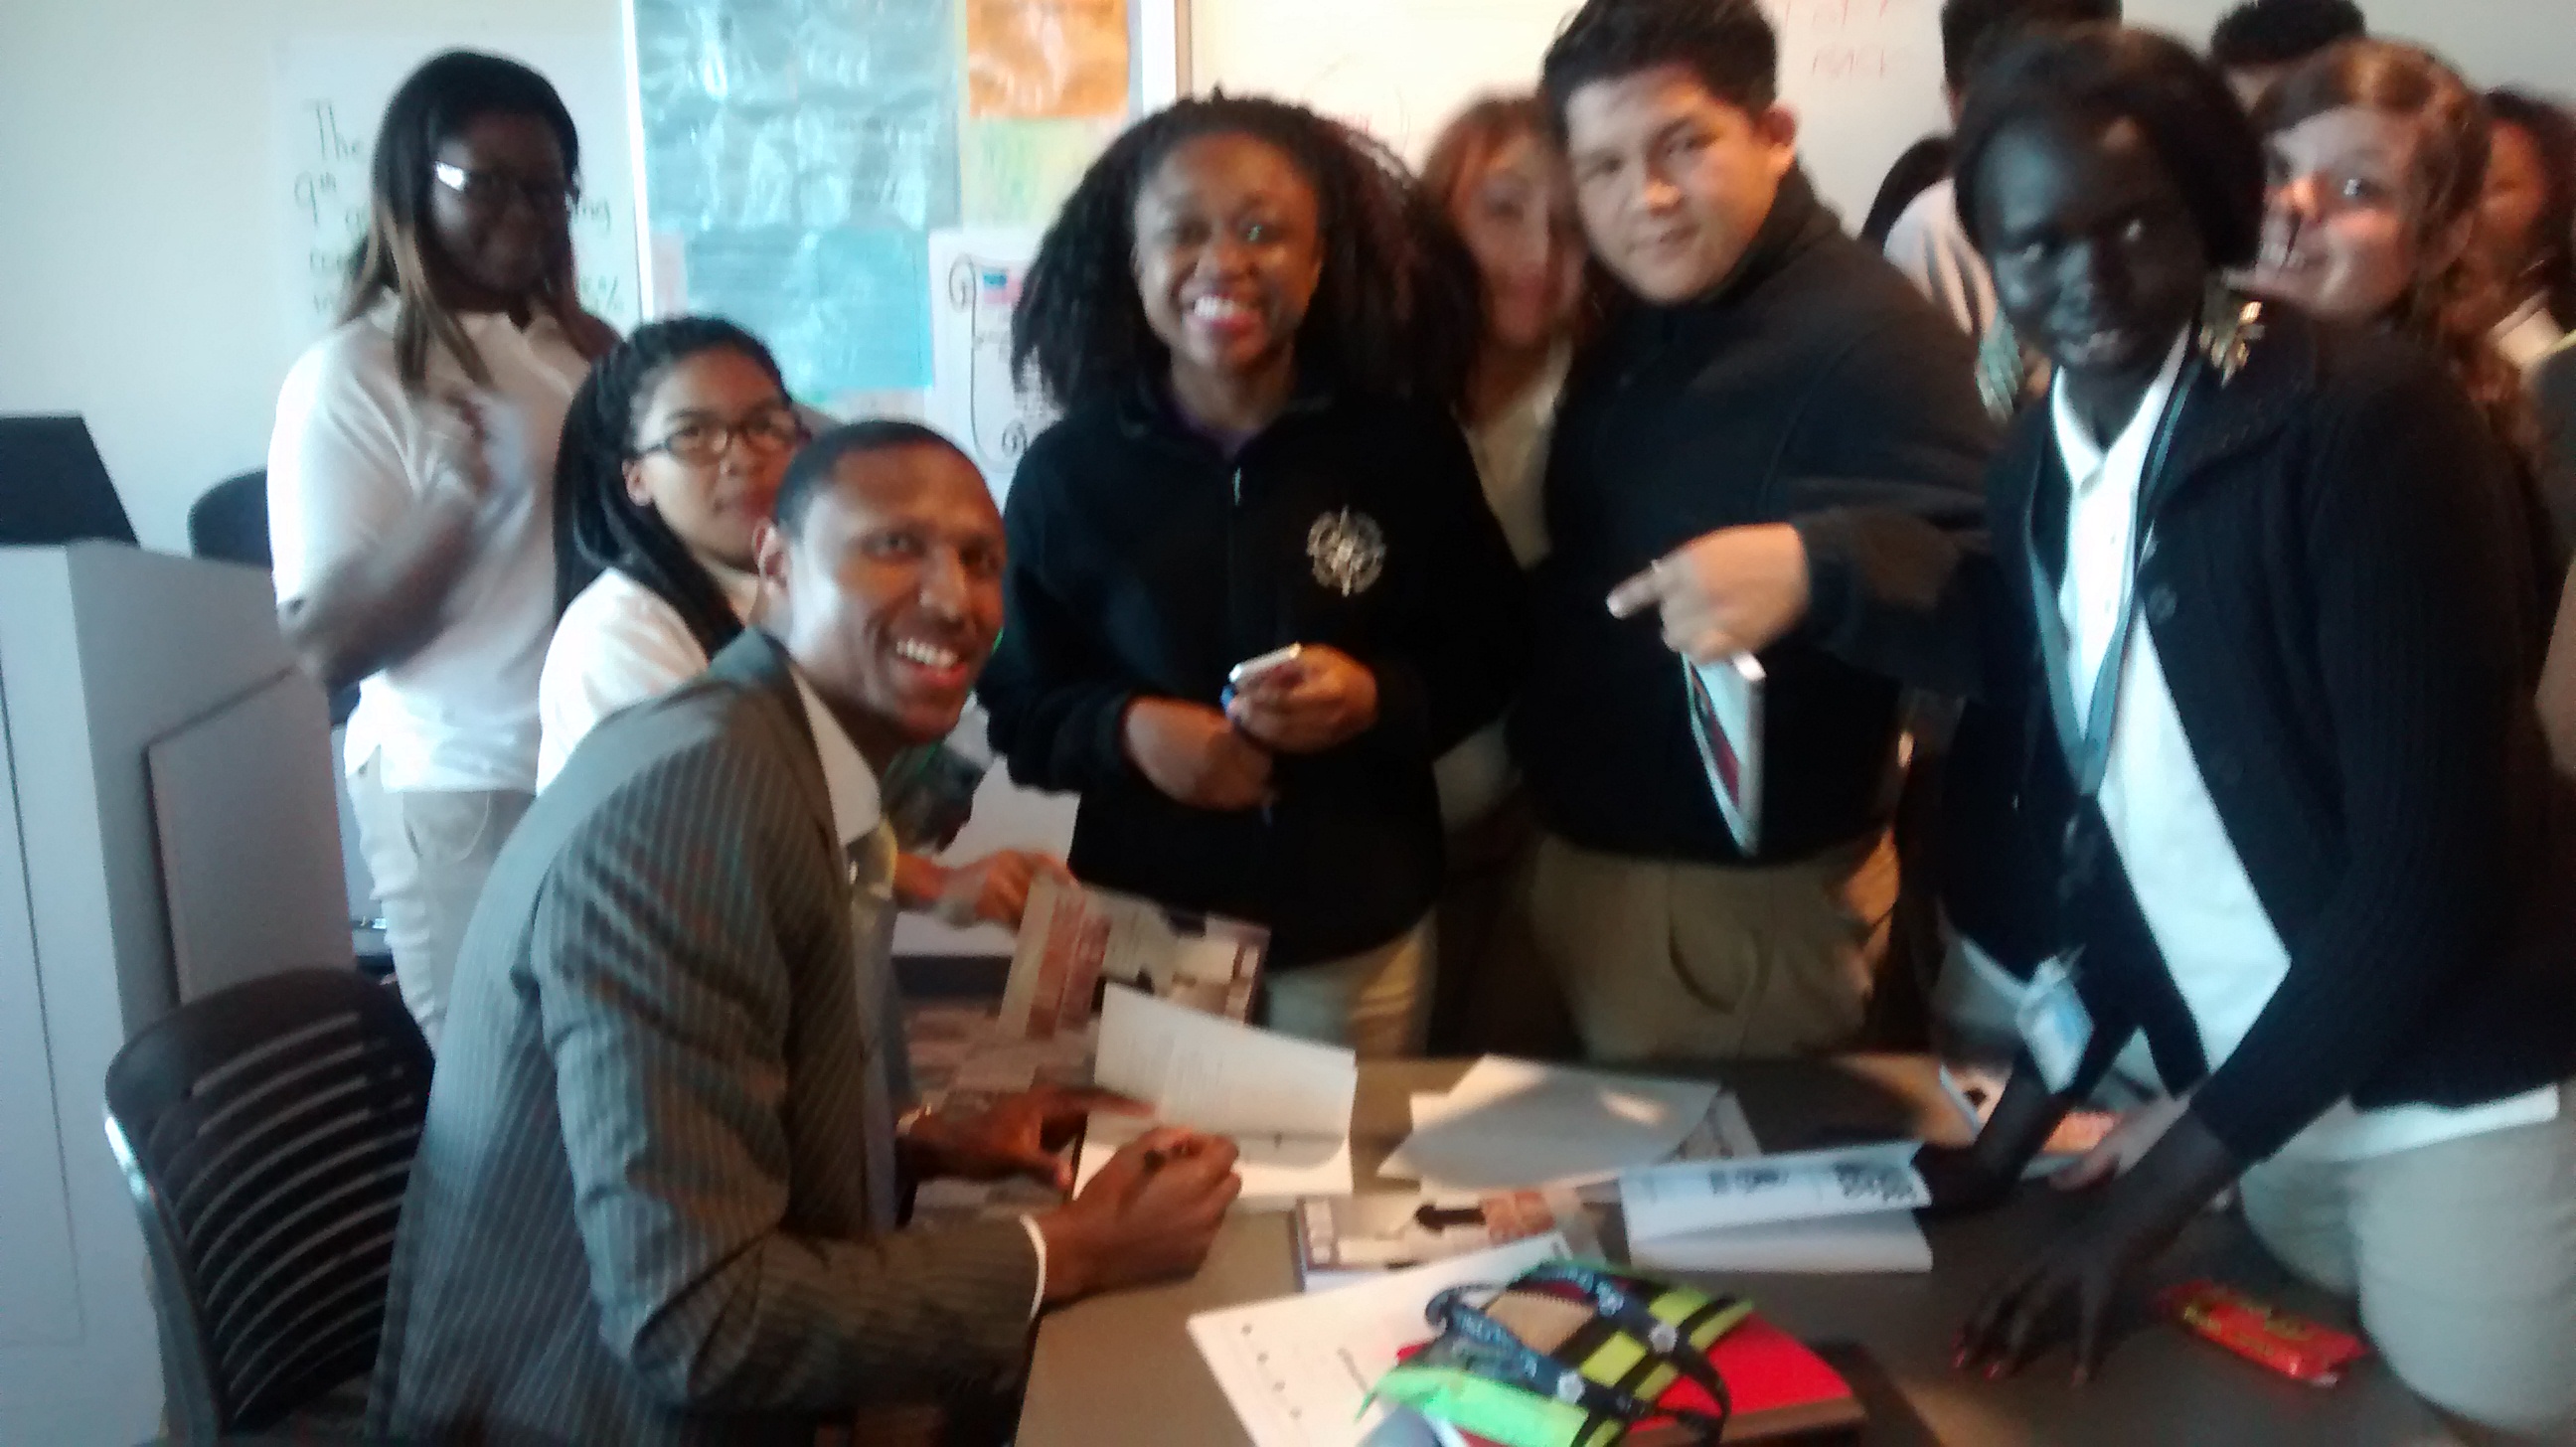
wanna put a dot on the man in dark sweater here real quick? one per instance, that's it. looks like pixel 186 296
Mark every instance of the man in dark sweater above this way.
pixel 1766 399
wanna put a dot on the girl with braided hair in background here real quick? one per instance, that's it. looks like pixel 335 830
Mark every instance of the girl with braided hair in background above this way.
pixel 1254 324
pixel 671 460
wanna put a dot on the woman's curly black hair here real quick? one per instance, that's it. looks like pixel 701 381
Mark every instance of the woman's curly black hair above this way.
pixel 597 525
pixel 1395 312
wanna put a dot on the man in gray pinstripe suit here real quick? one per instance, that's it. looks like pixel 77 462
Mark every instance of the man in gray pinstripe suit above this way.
pixel 658 1196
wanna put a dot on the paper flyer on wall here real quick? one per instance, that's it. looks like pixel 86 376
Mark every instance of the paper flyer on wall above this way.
pixel 1037 58
pixel 975 278
pixel 1726 722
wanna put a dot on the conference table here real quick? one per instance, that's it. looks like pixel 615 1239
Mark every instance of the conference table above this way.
pixel 1120 1369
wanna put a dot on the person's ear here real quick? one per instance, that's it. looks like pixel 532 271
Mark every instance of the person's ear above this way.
pixel 769 559
pixel 636 492
pixel 2449 244
pixel 1954 102
pixel 1776 128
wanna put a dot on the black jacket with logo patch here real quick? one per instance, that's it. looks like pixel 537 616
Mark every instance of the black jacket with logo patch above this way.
pixel 1814 387
pixel 1145 563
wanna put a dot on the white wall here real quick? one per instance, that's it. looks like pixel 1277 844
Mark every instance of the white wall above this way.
pixel 138 283
pixel 2493 42
pixel 136 275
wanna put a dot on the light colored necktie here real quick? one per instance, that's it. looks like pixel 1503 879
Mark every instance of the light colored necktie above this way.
pixel 870 864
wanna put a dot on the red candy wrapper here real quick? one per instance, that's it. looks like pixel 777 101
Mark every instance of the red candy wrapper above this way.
pixel 2295 1347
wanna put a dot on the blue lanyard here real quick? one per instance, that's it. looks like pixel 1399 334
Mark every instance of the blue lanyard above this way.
pixel 2088 743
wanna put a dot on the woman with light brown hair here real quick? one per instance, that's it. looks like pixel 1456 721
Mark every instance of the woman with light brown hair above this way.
pixel 1495 175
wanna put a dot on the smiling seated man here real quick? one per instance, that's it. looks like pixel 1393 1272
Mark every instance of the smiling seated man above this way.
pixel 1764 395
pixel 659 1197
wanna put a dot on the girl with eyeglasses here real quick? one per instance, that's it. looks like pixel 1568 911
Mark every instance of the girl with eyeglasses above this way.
pixel 408 485
pixel 671 460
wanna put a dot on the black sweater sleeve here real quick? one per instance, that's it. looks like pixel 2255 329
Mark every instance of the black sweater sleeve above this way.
pixel 2414 640
pixel 1057 701
pixel 1883 481
pixel 1467 640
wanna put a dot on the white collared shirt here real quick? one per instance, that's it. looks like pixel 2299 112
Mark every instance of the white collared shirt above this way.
pixel 2220 947
pixel 618 644
pixel 353 451
pixel 858 814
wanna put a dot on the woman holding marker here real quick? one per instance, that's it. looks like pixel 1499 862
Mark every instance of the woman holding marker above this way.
pixel 1252 323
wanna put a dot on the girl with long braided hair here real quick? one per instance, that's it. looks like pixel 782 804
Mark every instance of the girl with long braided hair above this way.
pixel 672 456
pixel 407 487
pixel 1255 324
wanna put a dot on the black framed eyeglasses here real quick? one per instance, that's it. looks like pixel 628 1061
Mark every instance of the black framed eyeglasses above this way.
pixel 769 430
pixel 495 188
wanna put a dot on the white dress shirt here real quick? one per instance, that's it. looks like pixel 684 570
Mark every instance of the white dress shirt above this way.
pixel 353 451
pixel 858 817
pixel 2220 947
pixel 618 644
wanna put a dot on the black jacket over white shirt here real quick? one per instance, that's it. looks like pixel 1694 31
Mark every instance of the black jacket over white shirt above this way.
pixel 2339 589
pixel 1814 387
pixel 1145 563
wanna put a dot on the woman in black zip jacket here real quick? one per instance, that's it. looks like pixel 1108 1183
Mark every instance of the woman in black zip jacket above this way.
pixel 1249 319
pixel 2272 581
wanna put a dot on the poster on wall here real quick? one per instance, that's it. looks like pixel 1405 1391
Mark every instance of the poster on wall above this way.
pixel 1046 58
pixel 975 277
pixel 330 95
pixel 795 158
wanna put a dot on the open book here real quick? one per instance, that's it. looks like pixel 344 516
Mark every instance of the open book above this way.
pixel 1285 1103
pixel 1726 721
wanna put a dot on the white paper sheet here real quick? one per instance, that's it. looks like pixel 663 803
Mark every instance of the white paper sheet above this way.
pixel 1297 1369
pixel 1511 1123
pixel 1883 1241
pixel 1663 1201
pixel 1215 1075
pixel 1276 1169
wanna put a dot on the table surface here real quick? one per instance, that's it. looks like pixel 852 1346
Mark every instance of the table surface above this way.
pixel 1120 1369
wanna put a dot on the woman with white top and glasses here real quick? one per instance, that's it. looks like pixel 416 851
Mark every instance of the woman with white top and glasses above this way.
pixel 671 460
pixel 407 487
pixel 2270 577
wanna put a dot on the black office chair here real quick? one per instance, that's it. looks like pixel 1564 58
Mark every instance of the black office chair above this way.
pixel 229 524
pixel 267 1134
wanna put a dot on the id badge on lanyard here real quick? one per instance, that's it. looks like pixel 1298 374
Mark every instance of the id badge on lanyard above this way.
pixel 2055 1026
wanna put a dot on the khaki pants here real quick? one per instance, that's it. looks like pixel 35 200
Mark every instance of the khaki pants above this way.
pixel 430 851
pixel 1377 1002
pixel 2462 1256
pixel 1666 960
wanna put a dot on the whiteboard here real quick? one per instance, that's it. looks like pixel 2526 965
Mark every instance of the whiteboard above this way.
pixel 329 98
pixel 1862 76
